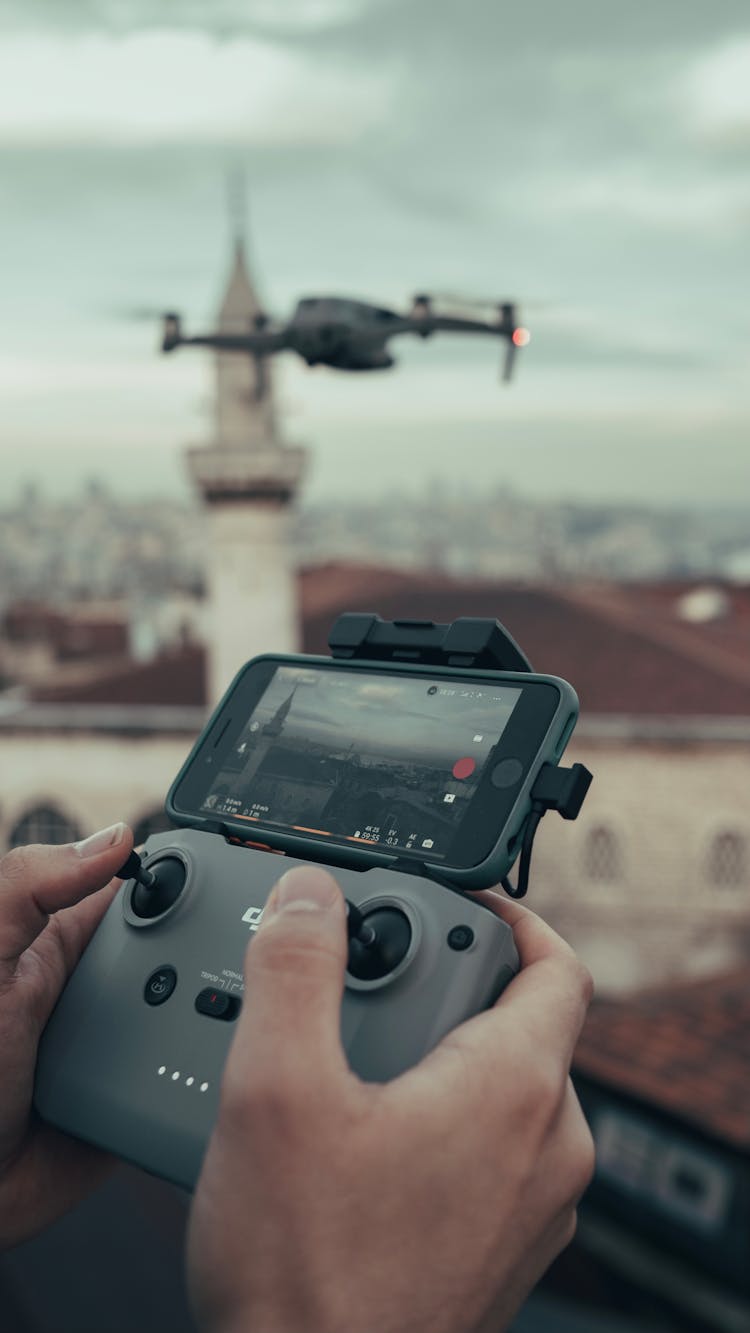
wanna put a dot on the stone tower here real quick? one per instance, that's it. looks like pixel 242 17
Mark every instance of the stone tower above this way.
pixel 248 479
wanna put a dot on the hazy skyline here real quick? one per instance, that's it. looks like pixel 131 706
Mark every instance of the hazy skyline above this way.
pixel 584 157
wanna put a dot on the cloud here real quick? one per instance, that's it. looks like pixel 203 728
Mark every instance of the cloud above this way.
pixel 222 17
pixel 673 201
pixel 716 93
pixel 483 32
pixel 580 152
pixel 177 87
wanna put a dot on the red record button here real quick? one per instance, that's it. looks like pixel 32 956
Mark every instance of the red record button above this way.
pixel 217 1004
pixel 463 768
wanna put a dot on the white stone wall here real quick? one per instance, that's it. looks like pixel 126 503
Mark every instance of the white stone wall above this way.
pixel 243 420
pixel 664 919
pixel 252 587
pixel 92 779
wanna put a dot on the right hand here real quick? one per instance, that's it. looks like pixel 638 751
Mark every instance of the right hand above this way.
pixel 431 1204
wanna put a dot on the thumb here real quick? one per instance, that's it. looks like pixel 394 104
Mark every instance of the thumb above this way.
pixel 37 881
pixel 289 1030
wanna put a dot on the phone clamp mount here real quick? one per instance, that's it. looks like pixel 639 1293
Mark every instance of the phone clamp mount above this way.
pixel 481 644
pixel 484 645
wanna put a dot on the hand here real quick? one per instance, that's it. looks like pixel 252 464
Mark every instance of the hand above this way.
pixel 431 1204
pixel 51 901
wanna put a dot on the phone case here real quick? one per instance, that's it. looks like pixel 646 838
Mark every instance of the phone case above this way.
pixel 508 842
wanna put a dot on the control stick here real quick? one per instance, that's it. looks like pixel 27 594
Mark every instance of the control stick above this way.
pixel 378 941
pixel 155 890
pixel 134 868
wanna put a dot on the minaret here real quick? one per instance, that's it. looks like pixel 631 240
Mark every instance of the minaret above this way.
pixel 265 742
pixel 248 479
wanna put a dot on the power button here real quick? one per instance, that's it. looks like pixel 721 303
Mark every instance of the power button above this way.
pixel 160 985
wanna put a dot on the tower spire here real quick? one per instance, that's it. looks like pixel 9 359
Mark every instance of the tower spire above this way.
pixel 244 400
pixel 248 478
pixel 236 184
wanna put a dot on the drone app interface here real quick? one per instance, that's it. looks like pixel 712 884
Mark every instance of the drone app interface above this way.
pixel 363 757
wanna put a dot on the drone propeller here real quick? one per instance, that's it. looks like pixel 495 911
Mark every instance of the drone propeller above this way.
pixel 458 298
pixel 134 314
pixel 494 302
pixel 506 366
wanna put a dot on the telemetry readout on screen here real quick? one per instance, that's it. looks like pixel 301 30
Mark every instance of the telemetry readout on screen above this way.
pixel 374 759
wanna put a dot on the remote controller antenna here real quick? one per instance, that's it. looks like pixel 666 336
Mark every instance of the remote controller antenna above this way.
pixel 134 868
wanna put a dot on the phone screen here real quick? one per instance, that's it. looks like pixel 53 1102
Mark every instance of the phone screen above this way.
pixel 370 758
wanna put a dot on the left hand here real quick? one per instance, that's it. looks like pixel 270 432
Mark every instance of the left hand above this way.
pixel 51 901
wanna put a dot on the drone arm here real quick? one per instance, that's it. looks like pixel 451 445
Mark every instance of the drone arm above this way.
pixel 455 324
pixel 256 344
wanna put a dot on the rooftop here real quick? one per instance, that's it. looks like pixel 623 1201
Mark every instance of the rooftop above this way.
pixel 622 646
pixel 679 1032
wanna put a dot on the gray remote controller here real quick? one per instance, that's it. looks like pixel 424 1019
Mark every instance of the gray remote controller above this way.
pixel 132 1057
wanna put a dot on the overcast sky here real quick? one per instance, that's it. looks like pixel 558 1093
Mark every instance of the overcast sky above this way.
pixel 589 158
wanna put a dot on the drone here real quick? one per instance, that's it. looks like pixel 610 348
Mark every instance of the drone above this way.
pixel 353 335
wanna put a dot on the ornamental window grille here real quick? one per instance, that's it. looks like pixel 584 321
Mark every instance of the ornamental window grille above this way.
pixel 602 856
pixel 43 823
pixel 728 861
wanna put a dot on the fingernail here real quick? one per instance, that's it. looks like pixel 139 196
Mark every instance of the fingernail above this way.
pixel 304 889
pixel 98 842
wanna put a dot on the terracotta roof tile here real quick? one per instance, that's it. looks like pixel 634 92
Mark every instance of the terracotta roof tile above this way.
pixel 615 658
pixel 176 677
pixel 685 1048
pixel 615 663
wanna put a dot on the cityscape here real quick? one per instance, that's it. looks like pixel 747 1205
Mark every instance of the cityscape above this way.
pixel 100 545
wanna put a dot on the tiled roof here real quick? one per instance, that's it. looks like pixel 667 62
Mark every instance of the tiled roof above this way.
pixel 620 660
pixel 174 678
pixel 617 662
pixel 658 1045
pixel 90 630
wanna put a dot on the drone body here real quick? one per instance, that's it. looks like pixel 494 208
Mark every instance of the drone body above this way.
pixel 349 335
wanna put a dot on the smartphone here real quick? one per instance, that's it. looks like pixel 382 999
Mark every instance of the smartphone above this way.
pixel 368 763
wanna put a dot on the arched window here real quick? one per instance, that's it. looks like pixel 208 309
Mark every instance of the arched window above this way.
pixel 155 821
pixel 602 856
pixel 727 861
pixel 43 823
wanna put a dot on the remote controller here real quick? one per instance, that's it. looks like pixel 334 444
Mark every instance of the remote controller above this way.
pixel 132 1057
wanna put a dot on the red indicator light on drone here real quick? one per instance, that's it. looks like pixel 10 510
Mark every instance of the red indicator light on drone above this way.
pixel 521 337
